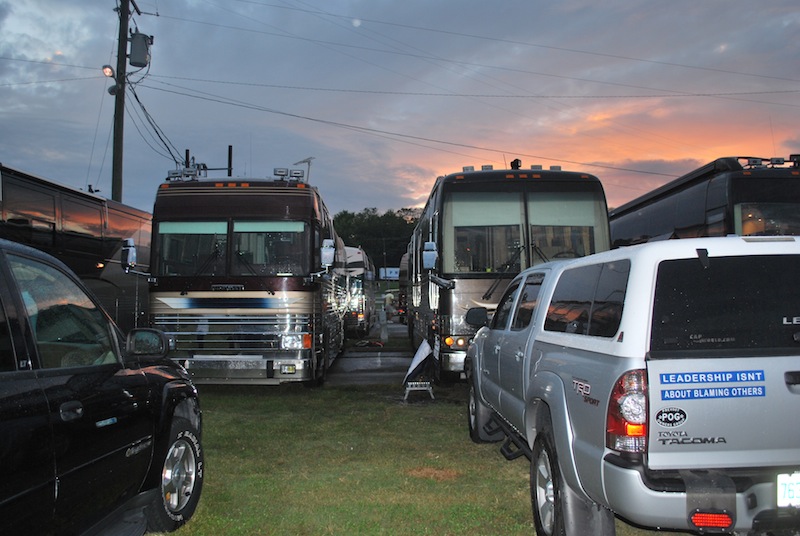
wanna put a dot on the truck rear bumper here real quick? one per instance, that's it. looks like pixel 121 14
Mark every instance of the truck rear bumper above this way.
pixel 629 496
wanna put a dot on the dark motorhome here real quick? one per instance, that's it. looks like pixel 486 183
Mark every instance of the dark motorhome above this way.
pixel 735 195
pixel 84 231
pixel 248 276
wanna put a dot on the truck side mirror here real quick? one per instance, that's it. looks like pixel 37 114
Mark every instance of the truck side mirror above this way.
pixel 429 255
pixel 128 255
pixel 328 253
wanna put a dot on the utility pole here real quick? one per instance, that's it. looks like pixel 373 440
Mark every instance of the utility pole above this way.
pixel 119 100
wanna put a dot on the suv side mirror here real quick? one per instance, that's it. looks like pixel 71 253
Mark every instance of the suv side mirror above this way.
pixel 128 255
pixel 328 253
pixel 429 255
pixel 477 316
pixel 147 342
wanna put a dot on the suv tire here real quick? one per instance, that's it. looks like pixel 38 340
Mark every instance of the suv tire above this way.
pixel 181 480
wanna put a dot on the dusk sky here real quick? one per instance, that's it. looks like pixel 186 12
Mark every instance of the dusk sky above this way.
pixel 387 95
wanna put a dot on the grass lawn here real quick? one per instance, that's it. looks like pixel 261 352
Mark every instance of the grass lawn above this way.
pixel 355 460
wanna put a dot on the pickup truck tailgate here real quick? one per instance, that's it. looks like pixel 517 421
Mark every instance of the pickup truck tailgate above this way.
pixel 724 412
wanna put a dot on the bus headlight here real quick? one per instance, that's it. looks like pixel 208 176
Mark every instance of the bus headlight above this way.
pixel 459 343
pixel 295 341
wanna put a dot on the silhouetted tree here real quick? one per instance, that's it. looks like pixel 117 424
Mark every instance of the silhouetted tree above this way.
pixel 384 237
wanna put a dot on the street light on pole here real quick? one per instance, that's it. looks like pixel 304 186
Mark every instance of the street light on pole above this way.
pixel 118 91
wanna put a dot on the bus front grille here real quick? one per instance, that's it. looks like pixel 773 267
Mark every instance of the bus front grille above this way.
pixel 230 334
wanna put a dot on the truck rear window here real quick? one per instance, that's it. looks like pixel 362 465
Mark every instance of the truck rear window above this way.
pixel 733 304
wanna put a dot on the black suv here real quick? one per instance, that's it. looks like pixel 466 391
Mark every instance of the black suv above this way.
pixel 98 433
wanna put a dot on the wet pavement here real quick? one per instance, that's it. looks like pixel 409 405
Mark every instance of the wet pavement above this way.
pixel 373 365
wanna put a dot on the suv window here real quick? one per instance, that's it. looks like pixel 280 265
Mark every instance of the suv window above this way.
pixel 67 326
pixel 588 300
pixel 724 303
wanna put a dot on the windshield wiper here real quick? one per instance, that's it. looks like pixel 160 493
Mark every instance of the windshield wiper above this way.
pixel 539 252
pixel 214 255
pixel 512 260
pixel 247 264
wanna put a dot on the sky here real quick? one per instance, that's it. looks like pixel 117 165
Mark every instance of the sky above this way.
pixel 384 96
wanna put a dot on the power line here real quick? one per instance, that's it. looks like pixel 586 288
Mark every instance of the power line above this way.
pixel 480 95
pixel 459 62
pixel 517 42
pixel 241 104
pixel 159 133
pixel 667 93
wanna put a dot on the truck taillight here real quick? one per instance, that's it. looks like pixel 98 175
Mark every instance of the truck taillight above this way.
pixel 626 423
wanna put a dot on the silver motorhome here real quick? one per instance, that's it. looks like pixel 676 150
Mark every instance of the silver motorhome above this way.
pixel 477 231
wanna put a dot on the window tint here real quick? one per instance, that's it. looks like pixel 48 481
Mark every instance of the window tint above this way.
pixel 527 302
pixel 727 303
pixel 572 300
pixel 504 308
pixel 81 218
pixel 68 328
pixel 588 300
pixel 609 298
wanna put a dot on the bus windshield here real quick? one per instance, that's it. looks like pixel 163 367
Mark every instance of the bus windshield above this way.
pixel 482 232
pixel 761 219
pixel 270 248
pixel 766 205
pixel 191 248
pixel 259 248
pixel 485 232
pixel 567 224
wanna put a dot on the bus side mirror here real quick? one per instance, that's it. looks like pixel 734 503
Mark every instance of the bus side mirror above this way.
pixel 477 316
pixel 327 253
pixel 128 255
pixel 429 255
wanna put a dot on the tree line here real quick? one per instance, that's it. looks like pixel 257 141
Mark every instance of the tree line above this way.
pixel 384 237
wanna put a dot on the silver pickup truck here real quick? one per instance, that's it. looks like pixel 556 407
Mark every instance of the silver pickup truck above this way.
pixel 659 383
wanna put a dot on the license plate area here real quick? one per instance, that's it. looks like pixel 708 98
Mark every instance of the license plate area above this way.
pixel 789 490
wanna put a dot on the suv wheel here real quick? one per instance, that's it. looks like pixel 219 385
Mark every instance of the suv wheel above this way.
pixel 181 480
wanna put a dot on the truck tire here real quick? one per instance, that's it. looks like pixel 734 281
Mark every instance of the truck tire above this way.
pixel 557 509
pixel 181 480
pixel 478 415
pixel 546 488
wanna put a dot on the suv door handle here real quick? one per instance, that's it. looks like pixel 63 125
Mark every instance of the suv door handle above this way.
pixel 71 411
pixel 792 378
